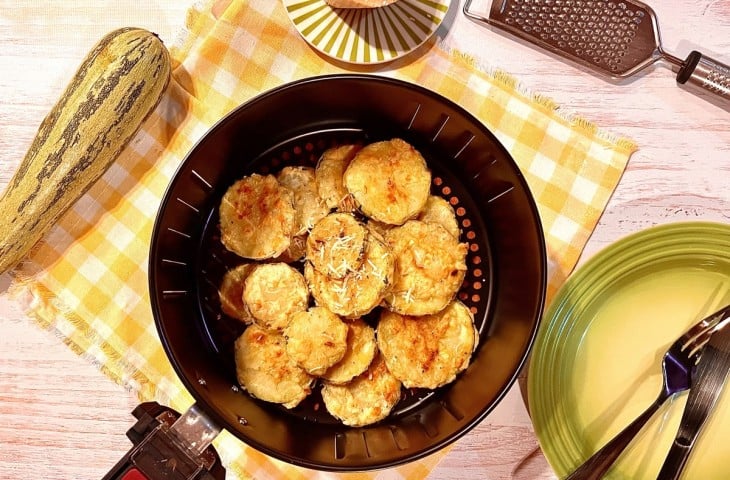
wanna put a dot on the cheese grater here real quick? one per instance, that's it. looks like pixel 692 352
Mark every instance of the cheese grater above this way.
pixel 616 38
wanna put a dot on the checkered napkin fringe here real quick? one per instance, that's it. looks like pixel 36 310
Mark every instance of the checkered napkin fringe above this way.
pixel 87 281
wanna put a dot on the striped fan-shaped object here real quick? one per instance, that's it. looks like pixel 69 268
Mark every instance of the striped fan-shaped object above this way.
pixel 367 35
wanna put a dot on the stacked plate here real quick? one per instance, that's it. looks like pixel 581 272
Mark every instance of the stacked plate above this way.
pixel 596 363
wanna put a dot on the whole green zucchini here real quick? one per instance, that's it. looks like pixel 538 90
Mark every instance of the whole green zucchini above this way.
pixel 117 86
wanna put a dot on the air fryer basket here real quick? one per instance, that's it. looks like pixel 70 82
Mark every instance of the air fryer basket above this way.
pixel 293 125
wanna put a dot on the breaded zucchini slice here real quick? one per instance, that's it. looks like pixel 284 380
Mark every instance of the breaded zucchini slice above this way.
pixel 430 265
pixel 361 349
pixel 230 293
pixel 377 227
pixel 358 292
pixel 297 250
pixel 438 210
pixel 389 180
pixel 368 398
pixel 428 351
pixel 265 370
pixel 309 207
pixel 257 217
pixel 336 245
pixel 328 173
pixel 273 292
pixel 316 339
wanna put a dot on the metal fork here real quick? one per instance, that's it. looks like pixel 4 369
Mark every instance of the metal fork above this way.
pixel 708 381
pixel 677 365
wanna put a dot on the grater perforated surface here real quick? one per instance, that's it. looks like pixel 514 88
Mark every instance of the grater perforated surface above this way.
pixel 617 37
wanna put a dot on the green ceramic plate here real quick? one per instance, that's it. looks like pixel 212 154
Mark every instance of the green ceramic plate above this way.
pixel 596 363
pixel 367 35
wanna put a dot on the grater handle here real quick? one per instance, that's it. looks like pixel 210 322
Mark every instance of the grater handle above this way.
pixel 479 18
pixel 707 74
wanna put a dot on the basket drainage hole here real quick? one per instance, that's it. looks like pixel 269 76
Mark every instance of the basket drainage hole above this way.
pixel 400 439
pixel 452 410
pixel 428 429
pixel 351 444
pixel 340 446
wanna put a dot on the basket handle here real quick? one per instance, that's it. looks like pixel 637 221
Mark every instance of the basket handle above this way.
pixel 707 74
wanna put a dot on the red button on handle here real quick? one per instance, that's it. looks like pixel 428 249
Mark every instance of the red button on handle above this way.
pixel 133 474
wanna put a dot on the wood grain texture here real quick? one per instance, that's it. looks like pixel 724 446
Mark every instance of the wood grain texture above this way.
pixel 61 418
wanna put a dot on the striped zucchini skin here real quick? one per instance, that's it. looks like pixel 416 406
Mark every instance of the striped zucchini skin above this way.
pixel 117 86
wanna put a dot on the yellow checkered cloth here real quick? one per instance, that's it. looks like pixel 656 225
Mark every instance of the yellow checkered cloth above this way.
pixel 87 280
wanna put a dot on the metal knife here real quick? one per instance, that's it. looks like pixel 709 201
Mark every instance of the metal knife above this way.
pixel 707 384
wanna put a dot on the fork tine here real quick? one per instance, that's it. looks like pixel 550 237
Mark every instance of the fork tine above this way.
pixel 707 307
pixel 715 322
pixel 694 347
pixel 704 322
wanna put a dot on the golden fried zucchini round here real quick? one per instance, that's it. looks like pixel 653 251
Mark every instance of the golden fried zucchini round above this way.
pixel 309 207
pixel 257 217
pixel 361 349
pixel 379 228
pixel 265 370
pixel 358 292
pixel 389 180
pixel 368 398
pixel 273 292
pixel 438 210
pixel 336 245
pixel 316 339
pixel 328 173
pixel 430 265
pixel 230 293
pixel 428 351
pixel 297 250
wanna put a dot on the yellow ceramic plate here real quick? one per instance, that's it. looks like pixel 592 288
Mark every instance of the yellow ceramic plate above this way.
pixel 596 363
pixel 367 35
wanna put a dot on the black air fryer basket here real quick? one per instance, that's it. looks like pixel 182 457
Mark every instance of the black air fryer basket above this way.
pixel 293 125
